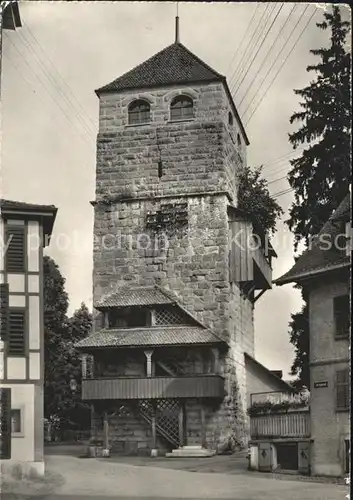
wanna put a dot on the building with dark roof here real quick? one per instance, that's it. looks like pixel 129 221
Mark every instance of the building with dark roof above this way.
pixel 175 277
pixel 323 270
pixel 25 228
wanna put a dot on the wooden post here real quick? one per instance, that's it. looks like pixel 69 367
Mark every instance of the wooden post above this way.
pixel 203 425
pixel 215 351
pixel 105 435
pixel 106 319
pixel 181 424
pixel 154 430
pixel 148 355
pixel 84 366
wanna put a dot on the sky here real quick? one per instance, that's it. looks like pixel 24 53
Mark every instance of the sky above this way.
pixel 65 50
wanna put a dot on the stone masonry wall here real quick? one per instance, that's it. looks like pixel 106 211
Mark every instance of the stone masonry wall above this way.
pixel 197 155
pixel 200 159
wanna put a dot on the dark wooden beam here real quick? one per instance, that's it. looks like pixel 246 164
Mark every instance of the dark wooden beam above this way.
pixel 203 425
pixel 181 424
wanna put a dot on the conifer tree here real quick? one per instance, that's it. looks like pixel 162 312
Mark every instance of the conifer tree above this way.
pixel 321 176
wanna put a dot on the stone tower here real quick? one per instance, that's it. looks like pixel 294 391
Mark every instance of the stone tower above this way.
pixel 169 150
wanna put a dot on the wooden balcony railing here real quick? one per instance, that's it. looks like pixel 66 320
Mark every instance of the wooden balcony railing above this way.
pixel 281 425
pixel 200 386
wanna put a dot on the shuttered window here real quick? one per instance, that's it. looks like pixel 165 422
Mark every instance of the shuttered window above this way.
pixel 5 423
pixel 15 252
pixel 342 389
pixel 4 311
pixel 17 333
pixel 342 315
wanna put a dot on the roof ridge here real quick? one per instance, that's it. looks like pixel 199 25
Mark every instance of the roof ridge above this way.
pixel 158 74
pixel 201 61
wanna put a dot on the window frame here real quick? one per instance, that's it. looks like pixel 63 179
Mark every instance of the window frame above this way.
pixel 183 115
pixel 339 384
pixel 128 314
pixel 21 433
pixel 139 113
pixel 12 227
pixel 23 353
pixel 339 331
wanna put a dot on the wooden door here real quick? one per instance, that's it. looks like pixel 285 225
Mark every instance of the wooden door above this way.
pixel 304 457
pixel 265 458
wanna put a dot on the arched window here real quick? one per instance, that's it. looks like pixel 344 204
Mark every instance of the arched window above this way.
pixel 139 112
pixel 230 118
pixel 182 107
pixel 238 140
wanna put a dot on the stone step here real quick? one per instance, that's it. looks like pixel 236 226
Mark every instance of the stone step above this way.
pixel 191 452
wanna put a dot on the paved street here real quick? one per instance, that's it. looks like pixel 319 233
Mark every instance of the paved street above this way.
pixel 107 480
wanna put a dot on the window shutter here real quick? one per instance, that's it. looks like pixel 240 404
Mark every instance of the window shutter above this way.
pixel 5 424
pixel 342 315
pixel 15 253
pixel 342 389
pixel 4 311
pixel 17 344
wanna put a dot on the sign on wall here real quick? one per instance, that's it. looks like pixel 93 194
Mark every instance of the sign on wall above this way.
pixel 319 385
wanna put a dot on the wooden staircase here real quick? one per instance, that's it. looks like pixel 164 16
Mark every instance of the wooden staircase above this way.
pixel 167 418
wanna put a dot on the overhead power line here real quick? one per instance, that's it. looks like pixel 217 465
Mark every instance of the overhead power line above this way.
pixel 260 45
pixel 268 52
pixel 238 71
pixel 60 77
pixel 46 87
pixel 246 31
pixel 55 84
pixel 282 64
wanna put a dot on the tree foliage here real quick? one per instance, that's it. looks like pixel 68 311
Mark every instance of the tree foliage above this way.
pixel 255 199
pixel 320 177
pixel 299 337
pixel 62 363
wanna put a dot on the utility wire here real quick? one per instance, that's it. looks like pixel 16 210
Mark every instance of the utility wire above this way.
pixel 268 52
pixel 238 51
pixel 238 71
pixel 283 63
pixel 46 88
pixel 60 76
pixel 260 45
pixel 54 83
pixel 276 59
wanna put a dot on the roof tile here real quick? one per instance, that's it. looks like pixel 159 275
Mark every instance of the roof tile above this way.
pixel 323 255
pixel 174 64
pixel 149 337
pixel 142 296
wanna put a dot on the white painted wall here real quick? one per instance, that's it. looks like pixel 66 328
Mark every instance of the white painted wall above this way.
pixel 16 368
pixel 2 245
pixel 22 397
pixel 34 365
pixel 34 322
pixel 33 245
pixel 16 282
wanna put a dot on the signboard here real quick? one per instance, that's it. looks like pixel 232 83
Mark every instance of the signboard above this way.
pixel 318 385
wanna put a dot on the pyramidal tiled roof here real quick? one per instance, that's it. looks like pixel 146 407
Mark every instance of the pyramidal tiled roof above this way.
pixel 141 296
pixel 321 257
pixel 174 64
